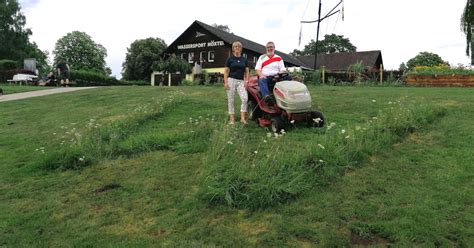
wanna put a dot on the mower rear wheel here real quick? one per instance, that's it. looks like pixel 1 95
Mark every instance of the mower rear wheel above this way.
pixel 316 120
pixel 277 124
pixel 253 110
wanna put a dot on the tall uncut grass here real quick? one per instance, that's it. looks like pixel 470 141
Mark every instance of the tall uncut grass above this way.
pixel 275 171
pixel 127 137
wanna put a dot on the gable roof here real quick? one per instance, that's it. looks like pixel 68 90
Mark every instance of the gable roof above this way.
pixel 247 44
pixel 342 61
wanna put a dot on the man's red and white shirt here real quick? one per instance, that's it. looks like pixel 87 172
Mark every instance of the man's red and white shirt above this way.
pixel 270 65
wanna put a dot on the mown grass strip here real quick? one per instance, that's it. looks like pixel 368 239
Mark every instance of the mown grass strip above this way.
pixel 239 175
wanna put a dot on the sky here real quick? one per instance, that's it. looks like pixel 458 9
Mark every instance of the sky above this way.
pixel 399 28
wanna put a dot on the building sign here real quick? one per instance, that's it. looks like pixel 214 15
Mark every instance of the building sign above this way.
pixel 201 45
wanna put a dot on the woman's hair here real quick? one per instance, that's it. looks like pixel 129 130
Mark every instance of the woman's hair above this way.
pixel 236 43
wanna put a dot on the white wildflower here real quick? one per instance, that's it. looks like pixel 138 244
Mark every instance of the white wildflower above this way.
pixel 348 136
pixel 321 161
pixel 321 146
pixel 373 100
pixel 358 128
pixel 292 121
pixel 283 131
pixel 264 141
pixel 343 131
pixel 269 135
pixel 255 152
pixel 230 142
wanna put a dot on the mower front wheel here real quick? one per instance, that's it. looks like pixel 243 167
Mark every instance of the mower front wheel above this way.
pixel 316 120
pixel 277 124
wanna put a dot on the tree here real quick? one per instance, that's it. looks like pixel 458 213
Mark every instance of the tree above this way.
pixel 14 37
pixel 467 23
pixel 426 59
pixel 140 57
pixel 81 52
pixel 222 27
pixel 330 44
pixel 173 64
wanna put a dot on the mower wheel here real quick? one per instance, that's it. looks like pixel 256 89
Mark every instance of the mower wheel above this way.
pixel 277 124
pixel 253 110
pixel 316 120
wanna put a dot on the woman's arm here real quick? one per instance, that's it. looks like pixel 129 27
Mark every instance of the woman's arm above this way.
pixel 226 77
pixel 247 75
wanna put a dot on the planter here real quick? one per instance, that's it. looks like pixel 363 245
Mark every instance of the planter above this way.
pixel 454 80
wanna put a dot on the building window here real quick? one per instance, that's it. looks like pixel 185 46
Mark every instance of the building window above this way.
pixel 244 55
pixel 255 59
pixel 184 56
pixel 211 56
pixel 203 56
pixel 191 57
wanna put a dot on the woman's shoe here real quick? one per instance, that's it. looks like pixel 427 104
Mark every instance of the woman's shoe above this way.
pixel 243 118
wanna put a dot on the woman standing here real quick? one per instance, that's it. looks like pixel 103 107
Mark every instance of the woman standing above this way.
pixel 236 77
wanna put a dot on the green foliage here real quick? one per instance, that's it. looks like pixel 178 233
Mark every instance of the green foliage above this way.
pixel 312 77
pixel 6 64
pixel 173 64
pixel 467 22
pixel 330 44
pixel 14 37
pixel 81 53
pixel 426 59
pixel 140 58
pixel 355 71
pixel 92 78
pixel 440 70
pixel 402 67
pixel 186 82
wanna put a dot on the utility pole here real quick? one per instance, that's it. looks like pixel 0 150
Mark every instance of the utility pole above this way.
pixel 319 20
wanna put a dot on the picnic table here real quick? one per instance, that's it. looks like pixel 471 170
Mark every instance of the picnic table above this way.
pixel 22 78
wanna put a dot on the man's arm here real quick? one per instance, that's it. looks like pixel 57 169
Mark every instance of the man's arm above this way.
pixel 258 68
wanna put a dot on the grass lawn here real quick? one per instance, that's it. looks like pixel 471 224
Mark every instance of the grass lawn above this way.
pixel 418 192
pixel 15 88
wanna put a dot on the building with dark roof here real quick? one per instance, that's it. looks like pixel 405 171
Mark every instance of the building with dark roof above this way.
pixel 372 60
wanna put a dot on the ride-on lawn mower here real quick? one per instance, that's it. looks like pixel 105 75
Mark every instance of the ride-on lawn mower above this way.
pixel 290 103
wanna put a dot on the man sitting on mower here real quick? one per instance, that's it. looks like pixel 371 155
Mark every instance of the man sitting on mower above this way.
pixel 268 66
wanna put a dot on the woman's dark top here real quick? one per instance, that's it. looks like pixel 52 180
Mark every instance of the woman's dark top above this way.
pixel 237 66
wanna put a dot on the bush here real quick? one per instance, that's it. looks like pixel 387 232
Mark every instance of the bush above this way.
pixel 186 82
pixel 312 77
pixel 91 78
pixel 6 64
pixel 426 59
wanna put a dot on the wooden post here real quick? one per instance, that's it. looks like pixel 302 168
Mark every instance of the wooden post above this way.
pixel 323 69
pixel 169 79
pixel 381 74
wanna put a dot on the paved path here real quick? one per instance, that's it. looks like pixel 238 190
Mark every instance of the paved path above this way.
pixel 23 95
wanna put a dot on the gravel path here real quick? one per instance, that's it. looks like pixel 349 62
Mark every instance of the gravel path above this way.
pixel 23 95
